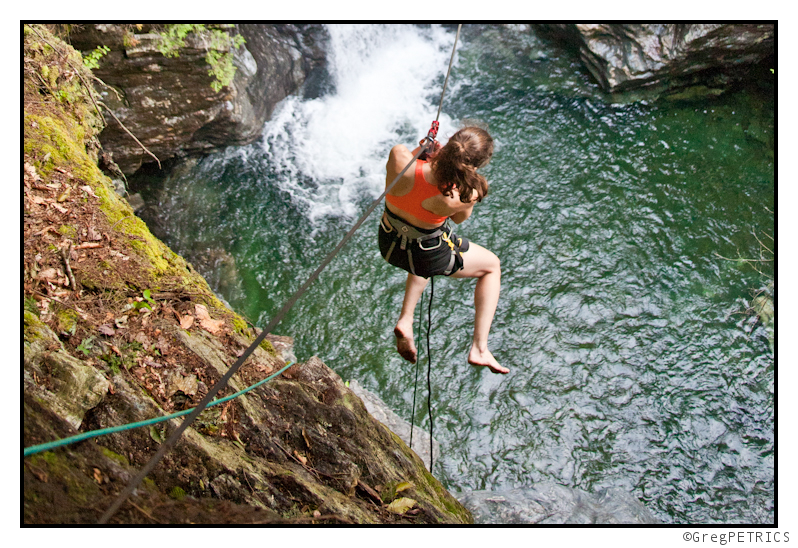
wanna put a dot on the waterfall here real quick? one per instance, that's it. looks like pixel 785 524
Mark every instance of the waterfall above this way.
pixel 386 82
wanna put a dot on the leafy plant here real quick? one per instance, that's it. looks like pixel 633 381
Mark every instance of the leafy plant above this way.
pixel 217 45
pixel 86 345
pixel 92 60
pixel 113 362
pixel 147 301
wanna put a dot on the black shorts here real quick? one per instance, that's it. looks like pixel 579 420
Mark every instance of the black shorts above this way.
pixel 426 262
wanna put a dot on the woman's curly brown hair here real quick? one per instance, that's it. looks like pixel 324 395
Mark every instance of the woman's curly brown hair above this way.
pixel 455 165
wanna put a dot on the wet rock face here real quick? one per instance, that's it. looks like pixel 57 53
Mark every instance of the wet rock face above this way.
pixel 626 57
pixel 168 102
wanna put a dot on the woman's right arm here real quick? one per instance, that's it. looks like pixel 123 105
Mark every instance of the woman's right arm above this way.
pixel 461 216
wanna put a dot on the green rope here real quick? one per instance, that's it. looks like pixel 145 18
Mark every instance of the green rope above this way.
pixel 32 450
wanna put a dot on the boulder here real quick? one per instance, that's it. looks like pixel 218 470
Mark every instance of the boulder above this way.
pixel 623 57
pixel 380 411
pixel 168 102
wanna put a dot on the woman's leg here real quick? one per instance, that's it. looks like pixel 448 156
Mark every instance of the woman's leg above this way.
pixel 403 331
pixel 484 265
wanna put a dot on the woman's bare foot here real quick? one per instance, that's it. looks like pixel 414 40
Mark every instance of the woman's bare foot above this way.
pixel 486 359
pixel 404 342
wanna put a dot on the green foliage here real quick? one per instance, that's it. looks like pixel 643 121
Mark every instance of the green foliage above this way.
pixel 30 306
pixel 177 493
pixel 113 362
pixel 147 303
pixel 86 345
pixel 217 46
pixel 92 60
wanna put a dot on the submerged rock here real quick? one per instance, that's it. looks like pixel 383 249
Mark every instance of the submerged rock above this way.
pixel 548 503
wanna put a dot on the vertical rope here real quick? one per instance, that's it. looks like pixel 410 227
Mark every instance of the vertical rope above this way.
pixel 415 383
pixel 429 368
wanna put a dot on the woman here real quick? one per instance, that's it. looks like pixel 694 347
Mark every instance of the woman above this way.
pixel 413 234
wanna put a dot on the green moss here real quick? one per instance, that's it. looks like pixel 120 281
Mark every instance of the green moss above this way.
pixel 69 231
pixel 67 320
pixel 60 468
pixel 177 493
pixel 121 459
pixel 268 347
pixel 240 326
pixel 62 139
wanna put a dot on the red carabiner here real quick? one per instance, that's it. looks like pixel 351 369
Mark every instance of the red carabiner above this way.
pixel 433 130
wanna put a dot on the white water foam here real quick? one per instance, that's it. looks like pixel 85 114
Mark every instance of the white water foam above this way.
pixel 330 151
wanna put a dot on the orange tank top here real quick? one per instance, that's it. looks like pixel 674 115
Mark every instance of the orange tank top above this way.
pixel 411 202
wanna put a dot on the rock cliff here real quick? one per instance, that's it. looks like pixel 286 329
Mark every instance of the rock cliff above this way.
pixel 669 57
pixel 168 102
pixel 117 328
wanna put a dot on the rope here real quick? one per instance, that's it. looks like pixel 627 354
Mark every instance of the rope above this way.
pixel 429 368
pixel 415 382
pixel 169 443
pixel 33 449
pixel 446 80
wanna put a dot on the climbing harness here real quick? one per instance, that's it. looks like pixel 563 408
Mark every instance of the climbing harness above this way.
pixel 409 234
pixel 170 442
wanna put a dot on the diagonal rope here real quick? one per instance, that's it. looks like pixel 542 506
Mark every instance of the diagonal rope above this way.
pixel 170 442
pixel 446 80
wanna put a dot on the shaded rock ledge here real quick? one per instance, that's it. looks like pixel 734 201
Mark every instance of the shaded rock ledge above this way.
pixel 705 59
pixel 168 102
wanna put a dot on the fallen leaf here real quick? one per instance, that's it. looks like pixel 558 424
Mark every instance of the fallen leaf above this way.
pixel 64 195
pixel 301 458
pixel 41 475
pixel 208 324
pixel 178 383
pixel 92 234
pixel 162 345
pixel 38 200
pixel 106 329
pixel 48 274
pixel 88 245
pixel 186 321
pixel 121 322
pixel 401 505
pixel 59 208
pixel 30 171
pixel 155 435
pixel 403 486
pixel 116 350
pixel 88 190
